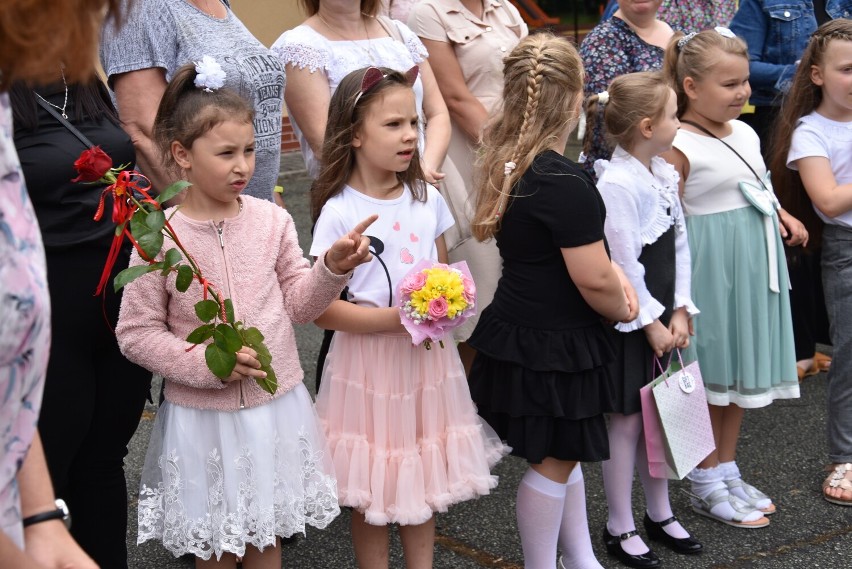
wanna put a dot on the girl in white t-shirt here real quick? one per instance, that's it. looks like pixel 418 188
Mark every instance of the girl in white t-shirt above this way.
pixel 405 437
pixel 814 138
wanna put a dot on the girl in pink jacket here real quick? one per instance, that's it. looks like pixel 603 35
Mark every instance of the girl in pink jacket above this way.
pixel 230 467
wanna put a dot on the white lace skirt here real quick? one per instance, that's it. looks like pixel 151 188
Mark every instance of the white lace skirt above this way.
pixel 214 481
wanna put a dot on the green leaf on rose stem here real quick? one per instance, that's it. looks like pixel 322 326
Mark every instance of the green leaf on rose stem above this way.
pixel 220 362
pixel 130 274
pixel 227 338
pixel 150 240
pixel 229 310
pixel 156 220
pixel 252 337
pixel 172 191
pixel 254 340
pixel 200 334
pixel 184 278
pixel 172 258
pixel 206 310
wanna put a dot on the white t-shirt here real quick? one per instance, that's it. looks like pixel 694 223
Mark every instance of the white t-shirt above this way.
pixel 304 47
pixel 816 135
pixel 407 228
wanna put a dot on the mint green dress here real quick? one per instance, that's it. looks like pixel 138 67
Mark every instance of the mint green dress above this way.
pixel 744 333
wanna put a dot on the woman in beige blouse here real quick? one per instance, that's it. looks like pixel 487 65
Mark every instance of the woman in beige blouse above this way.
pixel 467 41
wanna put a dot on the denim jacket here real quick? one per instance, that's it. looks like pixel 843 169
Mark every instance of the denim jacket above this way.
pixel 777 32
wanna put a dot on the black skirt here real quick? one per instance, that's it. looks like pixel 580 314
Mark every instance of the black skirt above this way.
pixel 545 392
pixel 635 365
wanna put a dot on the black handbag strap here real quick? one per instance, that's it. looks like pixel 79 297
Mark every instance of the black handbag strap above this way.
pixel 731 148
pixel 86 142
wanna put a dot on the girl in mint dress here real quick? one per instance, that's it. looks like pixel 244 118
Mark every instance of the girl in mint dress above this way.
pixel 744 334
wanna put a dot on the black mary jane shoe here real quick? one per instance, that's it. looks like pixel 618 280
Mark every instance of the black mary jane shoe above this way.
pixel 685 545
pixel 647 560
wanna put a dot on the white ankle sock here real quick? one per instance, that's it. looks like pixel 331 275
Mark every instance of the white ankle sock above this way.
pixel 731 471
pixel 539 507
pixel 705 481
pixel 574 539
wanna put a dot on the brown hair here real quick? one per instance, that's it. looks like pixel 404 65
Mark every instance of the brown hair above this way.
pixel 187 112
pixel 346 112
pixel 368 7
pixel 802 99
pixel 695 58
pixel 542 84
pixel 632 98
pixel 35 37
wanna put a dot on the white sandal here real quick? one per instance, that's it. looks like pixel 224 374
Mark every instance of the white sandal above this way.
pixel 753 495
pixel 704 507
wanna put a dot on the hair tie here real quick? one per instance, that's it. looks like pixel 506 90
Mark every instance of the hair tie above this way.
pixel 508 167
pixel 209 75
pixel 725 32
pixel 603 97
pixel 685 39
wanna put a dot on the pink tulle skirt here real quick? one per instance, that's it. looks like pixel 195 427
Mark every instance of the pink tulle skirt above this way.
pixel 404 435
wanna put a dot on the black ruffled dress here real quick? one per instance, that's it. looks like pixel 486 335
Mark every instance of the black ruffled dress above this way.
pixel 542 377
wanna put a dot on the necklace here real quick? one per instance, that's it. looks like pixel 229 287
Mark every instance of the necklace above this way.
pixel 64 103
pixel 368 50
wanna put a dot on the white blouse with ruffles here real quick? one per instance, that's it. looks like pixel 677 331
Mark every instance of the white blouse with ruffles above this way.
pixel 641 205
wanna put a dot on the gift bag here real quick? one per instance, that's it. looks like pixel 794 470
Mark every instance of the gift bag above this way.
pixel 678 434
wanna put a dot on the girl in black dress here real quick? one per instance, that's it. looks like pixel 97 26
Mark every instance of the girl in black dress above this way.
pixel 542 374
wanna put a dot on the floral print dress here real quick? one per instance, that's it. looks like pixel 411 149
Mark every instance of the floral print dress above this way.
pixel 611 49
pixel 24 325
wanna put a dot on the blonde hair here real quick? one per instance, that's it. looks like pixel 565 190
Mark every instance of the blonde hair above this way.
pixel 36 37
pixel 802 99
pixel 632 98
pixel 542 83
pixel 695 57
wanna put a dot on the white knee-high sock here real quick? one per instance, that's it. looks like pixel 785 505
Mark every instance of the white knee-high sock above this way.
pixel 539 511
pixel 574 540
pixel 624 434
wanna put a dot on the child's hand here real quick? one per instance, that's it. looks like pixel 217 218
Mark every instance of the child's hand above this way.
pixel 432 175
pixel 248 366
pixel 680 328
pixel 792 230
pixel 350 250
pixel 659 337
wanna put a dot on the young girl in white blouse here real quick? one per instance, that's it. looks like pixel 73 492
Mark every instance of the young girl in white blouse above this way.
pixel 647 238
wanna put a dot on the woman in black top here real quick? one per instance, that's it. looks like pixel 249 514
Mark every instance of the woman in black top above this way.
pixel 93 396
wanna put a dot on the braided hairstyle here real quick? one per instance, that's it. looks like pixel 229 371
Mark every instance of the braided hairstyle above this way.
pixel 542 90
pixel 802 99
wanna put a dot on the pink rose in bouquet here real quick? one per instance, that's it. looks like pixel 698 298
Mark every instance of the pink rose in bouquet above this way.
pixel 434 298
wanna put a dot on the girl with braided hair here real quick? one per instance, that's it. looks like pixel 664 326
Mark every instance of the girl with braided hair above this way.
pixel 541 377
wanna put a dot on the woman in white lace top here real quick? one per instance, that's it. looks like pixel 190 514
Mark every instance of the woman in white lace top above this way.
pixel 341 36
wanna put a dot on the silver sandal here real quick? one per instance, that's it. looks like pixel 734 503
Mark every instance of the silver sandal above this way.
pixel 704 507
pixel 753 495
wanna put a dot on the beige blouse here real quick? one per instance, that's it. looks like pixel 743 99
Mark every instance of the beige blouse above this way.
pixel 480 44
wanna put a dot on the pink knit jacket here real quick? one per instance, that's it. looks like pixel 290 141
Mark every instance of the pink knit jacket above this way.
pixel 259 265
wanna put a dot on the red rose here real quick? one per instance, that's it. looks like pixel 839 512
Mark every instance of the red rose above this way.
pixel 92 165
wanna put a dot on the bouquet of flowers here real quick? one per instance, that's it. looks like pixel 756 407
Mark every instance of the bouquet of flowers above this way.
pixel 435 298
pixel 140 218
